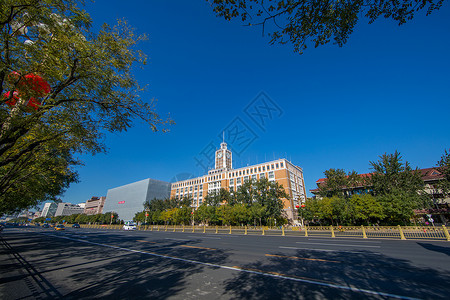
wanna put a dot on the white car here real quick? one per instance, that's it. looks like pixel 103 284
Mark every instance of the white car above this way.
pixel 129 226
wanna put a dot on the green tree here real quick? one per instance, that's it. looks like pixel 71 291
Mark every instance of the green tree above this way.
pixel 366 209
pixel 85 88
pixel 270 194
pixel 391 175
pixel 444 167
pixel 334 184
pixel 317 22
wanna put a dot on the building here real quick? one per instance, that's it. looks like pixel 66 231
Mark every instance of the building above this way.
pixel 49 210
pixel 67 209
pixel 430 176
pixel 94 205
pixel 129 199
pixel 224 176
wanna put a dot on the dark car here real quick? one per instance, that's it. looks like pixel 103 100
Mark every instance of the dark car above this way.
pixel 76 225
pixel 45 226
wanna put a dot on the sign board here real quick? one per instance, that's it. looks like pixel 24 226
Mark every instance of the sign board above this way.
pixel 121 202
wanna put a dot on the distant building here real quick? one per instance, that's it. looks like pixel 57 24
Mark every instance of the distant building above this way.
pixel 224 176
pixel 49 210
pixel 129 199
pixel 94 205
pixel 37 214
pixel 67 209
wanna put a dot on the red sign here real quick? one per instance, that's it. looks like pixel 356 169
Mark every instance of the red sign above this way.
pixel 121 202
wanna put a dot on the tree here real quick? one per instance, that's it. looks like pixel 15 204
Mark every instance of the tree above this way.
pixel 301 23
pixel 62 87
pixel 366 209
pixel 391 175
pixel 269 194
pixel 334 184
pixel 444 167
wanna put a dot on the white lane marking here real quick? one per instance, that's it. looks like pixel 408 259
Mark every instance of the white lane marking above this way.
pixel 343 239
pixel 177 239
pixel 342 245
pixel 337 286
pixel 205 237
pixel 323 250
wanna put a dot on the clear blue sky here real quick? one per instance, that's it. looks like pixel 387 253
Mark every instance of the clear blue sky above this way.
pixel 387 89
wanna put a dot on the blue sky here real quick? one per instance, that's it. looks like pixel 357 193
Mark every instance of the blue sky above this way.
pixel 387 89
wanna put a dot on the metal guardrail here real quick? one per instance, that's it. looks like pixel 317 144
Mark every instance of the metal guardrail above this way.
pixel 364 232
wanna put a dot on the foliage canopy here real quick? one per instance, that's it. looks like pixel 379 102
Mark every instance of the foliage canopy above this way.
pixel 300 22
pixel 91 91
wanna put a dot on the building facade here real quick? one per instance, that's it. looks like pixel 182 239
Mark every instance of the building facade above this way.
pixel 224 176
pixel 49 210
pixel 67 209
pixel 129 199
pixel 94 205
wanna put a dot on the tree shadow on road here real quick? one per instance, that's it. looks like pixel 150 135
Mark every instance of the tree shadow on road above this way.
pixel 157 270
pixel 432 247
pixel 329 275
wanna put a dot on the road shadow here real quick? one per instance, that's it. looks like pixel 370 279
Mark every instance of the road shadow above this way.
pixel 87 270
pixel 432 247
pixel 330 275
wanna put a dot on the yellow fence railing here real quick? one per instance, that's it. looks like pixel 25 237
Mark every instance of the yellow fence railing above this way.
pixel 364 232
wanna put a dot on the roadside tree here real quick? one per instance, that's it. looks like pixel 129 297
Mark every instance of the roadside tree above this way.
pixel 304 23
pixel 62 87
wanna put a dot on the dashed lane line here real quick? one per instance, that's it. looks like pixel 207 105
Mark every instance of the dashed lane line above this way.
pixel 196 247
pixel 303 258
pixel 342 245
pixel 256 272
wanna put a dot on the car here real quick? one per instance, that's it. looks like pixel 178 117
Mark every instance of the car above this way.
pixel 76 225
pixel 45 226
pixel 129 226
pixel 60 227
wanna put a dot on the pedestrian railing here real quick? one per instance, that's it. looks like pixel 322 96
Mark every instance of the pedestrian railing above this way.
pixel 364 232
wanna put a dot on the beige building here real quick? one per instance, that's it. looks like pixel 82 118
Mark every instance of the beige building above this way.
pixel 224 176
pixel 94 206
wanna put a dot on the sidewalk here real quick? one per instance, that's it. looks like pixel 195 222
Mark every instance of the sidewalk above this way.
pixel 18 278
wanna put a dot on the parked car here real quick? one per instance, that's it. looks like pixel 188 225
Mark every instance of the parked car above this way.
pixel 45 226
pixel 60 227
pixel 129 226
pixel 76 225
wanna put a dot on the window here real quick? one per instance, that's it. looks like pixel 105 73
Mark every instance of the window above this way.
pixel 247 171
pixel 231 181
pixel 251 171
pixel 259 169
pixel 201 187
pixel 190 188
pixel 262 175
pixel 271 175
pixel 238 180
pixel 245 178
pixel 254 177
pixel 196 188
pixel 240 173
pixel 264 168
pixel 272 167
pixel 281 164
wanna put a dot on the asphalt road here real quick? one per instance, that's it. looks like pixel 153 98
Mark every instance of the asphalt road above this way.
pixel 37 263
